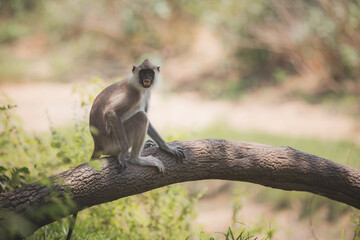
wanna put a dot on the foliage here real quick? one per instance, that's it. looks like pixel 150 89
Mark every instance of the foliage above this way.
pixel 158 214
pixel 242 236
pixel 10 177
pixel 230 235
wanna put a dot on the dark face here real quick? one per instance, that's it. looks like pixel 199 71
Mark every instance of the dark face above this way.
pixel 146 77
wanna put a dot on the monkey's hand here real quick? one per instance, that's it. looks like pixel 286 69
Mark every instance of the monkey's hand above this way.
pixel 177 151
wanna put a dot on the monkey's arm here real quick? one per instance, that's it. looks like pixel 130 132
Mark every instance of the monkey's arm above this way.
pixel 176 151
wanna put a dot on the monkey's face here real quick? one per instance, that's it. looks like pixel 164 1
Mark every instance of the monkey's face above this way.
pixel 146 77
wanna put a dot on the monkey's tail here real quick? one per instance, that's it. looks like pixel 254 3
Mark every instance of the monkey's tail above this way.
pixel 71 227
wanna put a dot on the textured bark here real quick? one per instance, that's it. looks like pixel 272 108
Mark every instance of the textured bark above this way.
pixel 278 167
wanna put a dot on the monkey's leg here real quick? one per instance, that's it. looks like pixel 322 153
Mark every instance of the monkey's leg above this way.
pixel 136 128
pixel 118 143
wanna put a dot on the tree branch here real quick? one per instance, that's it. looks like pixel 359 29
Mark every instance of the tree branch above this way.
pixel 278 167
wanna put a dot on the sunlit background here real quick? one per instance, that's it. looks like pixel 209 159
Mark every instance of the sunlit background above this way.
pixel 279 72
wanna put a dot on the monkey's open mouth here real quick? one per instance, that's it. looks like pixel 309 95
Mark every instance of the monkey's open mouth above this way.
pixel 147 82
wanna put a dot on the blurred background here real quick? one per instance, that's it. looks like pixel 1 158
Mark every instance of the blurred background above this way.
pixel 279 72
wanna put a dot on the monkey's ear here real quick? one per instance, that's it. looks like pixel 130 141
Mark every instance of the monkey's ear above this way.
pixel 158 68
pixel 133 70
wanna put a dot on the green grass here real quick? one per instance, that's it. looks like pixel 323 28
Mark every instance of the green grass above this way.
pixel 231 235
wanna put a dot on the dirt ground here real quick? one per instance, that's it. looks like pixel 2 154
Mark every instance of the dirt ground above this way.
pixel 42 104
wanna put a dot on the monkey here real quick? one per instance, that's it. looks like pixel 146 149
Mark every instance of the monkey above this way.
pixel 118 121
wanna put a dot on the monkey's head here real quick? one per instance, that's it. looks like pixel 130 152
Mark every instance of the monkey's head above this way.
pixel 146 74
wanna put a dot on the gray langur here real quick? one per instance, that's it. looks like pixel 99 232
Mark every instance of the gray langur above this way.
pixel 118 119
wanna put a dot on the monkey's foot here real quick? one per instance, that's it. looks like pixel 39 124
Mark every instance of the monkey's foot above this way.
pixel 149 161
pixel 149 143
pixel 122 162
